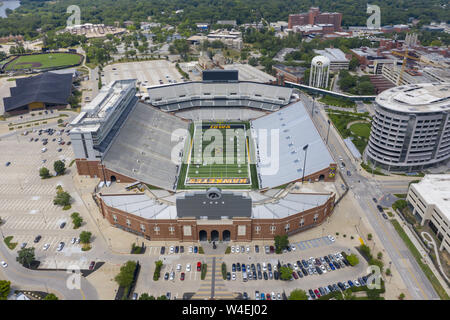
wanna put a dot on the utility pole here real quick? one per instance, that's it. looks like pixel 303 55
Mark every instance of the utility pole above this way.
pixel 305 148
pixel 328 131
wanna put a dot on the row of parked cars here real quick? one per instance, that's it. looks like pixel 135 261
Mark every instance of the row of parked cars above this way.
pixel 171 275
pixel 178 249
pixel 300 269
pixel 340 286
pixel 267 296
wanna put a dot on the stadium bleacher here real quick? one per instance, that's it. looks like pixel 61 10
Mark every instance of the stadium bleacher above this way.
pixel 143 148
pixel 173 97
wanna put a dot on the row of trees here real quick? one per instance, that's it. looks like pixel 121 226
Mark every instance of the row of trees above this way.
pixel 355 84
pixel 59 167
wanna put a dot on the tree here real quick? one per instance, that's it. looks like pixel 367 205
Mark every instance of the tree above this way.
pixel 5 289
pixel 145 296
pixel 298 294
pixel 51 296
pixel 352 259
pixel 59 167
pixel 126 274
pixel 354 63
pixel 253 61
pixel 388 272
pixel 76 220
pixel 348 295
pixel 25 256
pixel 285 273
pixel 380 255
pixel 62 198
pixel 161 298
pixel 281 242
pixel 85 237
pixel 401 296
pixel 44 173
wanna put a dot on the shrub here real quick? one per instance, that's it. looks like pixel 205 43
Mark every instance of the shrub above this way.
pixel 224 270
pixel 369 236
pixel 298 294
pixel 9 244
pixel 228 250
pixel 352 259
pixel 157 273
pixel 204 269
pixel 44 173
pixel 379 255
pixel 200 250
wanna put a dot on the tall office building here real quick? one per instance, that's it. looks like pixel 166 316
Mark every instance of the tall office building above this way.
pixel 315 17
pixel 411 127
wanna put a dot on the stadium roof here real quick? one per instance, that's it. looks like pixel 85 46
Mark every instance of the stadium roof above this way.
pixel 47 87
pixel 296 130
pixel 143 206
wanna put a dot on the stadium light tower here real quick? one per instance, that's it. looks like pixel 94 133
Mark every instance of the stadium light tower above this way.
pixel 305 148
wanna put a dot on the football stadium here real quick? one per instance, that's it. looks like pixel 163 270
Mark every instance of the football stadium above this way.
pixel 217 159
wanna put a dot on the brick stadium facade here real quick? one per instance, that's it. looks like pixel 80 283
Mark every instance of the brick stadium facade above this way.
pixel 234 229
pixel 314 17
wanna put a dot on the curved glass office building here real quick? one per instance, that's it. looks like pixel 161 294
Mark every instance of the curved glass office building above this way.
pixel 411 127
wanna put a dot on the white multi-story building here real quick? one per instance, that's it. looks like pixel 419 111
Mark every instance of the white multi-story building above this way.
pixel 337 58
pixel 320 72
pixel 430 202
pixel 411 127
pixel 96 125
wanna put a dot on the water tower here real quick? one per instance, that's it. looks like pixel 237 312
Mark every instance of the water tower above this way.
pixel 320 72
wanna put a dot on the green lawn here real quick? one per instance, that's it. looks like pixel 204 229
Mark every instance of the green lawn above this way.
pixel 46 60
pixel 361 129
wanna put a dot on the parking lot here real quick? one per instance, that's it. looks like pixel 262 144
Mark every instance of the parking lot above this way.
pixel 147 73
pixel 26 200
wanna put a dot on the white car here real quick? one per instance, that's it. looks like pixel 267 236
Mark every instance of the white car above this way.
pixel 331 238
pixel 4 264
pixel 60 246
pixel 233 276
pixel 178 267
pixel 356 282
pixel 247 249
pixel 274 297
pixel 74 240
pixel 264 266
pixel 293 248
pixel 323 268
pixel 188 267
pixel 278 296
pixel 191 249
pixel 237 249
pixel 295 266
pixel 46 246
pixel 23 245
pixel 232 249
pixel 172 275
pixel 172 249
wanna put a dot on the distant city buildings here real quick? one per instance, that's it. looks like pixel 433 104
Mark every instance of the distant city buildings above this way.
pixel 325 22
pixel 227 22
pixel 94 30
pixel 287 73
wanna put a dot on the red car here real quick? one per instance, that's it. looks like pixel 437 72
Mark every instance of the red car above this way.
pixel 317 293
pixel 294 274
pixel 92 265
pixel 199 266
pixel 272 249
pixel 182 276
pixel 268 297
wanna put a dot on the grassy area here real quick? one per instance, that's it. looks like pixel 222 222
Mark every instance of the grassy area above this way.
pixel 425 268
pixel 369 169
pixel 47 60
pixel 338 102
pixel 361 129
pixel 9 244
pixel 400 195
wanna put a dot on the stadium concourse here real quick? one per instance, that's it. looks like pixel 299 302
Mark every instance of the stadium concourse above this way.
pixel 145 146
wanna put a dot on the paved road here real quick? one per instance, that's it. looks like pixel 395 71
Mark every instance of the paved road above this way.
pixel 49 281
pixel 364 189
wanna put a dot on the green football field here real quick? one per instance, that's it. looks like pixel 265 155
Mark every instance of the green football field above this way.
pixel 43 61
pixel 218 153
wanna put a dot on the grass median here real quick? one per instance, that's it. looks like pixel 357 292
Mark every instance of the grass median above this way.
pixel 425 268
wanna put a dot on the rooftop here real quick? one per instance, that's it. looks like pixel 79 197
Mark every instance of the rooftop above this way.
pixel 435 189
pixel 425 97
pixel 334 54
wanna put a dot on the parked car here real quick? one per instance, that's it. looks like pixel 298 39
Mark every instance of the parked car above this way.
pixel 195 249
pixel 181 249
pixel 92 265
pixel 245 296
pixel 188 267
pixel 60 246
pixel 228 276
pixel 256 248
pixel 23 245
pixel 199 266
pixel 182 276
pixel 8 163
pixel 311 294
pixel 46 246
pixel 4 264
pixel 171 249
pixel 37 239
pixel 163 249
pixel 172 276
pixel 385 216
pixel 267 249
pixel 62 225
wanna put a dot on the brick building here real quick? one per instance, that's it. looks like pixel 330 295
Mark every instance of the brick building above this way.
pixel 315 17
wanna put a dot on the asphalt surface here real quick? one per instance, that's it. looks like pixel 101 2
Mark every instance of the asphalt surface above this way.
pixel 364 189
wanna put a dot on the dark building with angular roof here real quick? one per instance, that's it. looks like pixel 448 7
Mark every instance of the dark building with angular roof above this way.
pixel 45 90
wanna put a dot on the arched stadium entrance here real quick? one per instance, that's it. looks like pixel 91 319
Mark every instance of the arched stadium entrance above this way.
pixel 321 177
pixel 113 179
pixel 202 235
pixel 214 235
pixel 226 235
